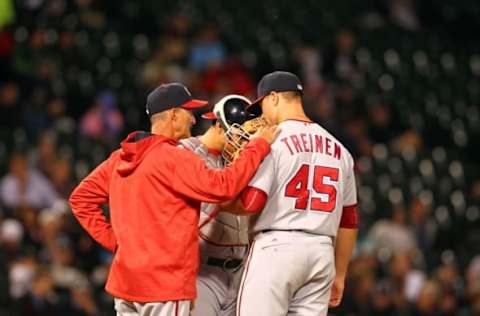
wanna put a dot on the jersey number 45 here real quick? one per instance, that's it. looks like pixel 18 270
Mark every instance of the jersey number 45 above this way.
pixel 298 188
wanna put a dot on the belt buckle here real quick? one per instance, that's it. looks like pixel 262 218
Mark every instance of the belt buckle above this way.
pixel 227 262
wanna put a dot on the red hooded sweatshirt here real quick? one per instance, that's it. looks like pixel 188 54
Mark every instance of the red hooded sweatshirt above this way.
pixel 154 190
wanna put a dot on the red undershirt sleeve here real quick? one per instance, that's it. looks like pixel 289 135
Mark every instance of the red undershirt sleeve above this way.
pixel 253 199
pixel 349 217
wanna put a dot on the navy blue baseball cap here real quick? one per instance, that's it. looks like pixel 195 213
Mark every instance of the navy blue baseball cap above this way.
pixel 277 81
pixel 169 96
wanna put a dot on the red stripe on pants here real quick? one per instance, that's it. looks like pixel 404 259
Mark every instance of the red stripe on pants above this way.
pixel 244 279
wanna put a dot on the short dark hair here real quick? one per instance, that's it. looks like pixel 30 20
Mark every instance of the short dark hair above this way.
pixel 291 95
pixel 158 116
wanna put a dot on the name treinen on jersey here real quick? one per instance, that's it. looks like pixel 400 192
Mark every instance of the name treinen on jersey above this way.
pixel 311 143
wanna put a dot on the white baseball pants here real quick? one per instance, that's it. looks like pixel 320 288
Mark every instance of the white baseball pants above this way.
pixel 287 273
pixel 170 308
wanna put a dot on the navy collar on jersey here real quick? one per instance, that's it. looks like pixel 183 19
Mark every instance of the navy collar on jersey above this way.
pixel 299 120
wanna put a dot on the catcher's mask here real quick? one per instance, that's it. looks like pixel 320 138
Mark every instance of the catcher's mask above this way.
pixel 238 136
pixel 231 113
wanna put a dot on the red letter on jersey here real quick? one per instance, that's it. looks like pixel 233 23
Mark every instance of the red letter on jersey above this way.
pixel 320 187
pixel 296 143
pixel 297 188
pixel 303 137
pixel 336 151
pixel 318 144
pixel 285 141
pixel 328 146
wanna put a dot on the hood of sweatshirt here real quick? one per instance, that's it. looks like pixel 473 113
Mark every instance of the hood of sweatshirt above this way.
pixel 136 147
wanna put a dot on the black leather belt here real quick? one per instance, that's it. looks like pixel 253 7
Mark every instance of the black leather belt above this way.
pixel 225 264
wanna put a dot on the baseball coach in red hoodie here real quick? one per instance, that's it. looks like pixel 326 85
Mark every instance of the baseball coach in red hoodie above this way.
pixel 154 190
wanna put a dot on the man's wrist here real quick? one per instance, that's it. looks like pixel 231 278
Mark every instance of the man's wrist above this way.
pixel 340 276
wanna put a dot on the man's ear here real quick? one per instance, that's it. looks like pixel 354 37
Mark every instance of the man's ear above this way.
pixel 218 127
pixel 275 98
pixel 173 114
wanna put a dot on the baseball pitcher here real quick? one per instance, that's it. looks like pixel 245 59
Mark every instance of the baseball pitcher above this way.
pixel 304 198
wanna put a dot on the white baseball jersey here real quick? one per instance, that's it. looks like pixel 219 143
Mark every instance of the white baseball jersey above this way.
pixel 308 178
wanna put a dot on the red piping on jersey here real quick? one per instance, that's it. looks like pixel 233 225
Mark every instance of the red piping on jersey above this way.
pixel 210 217
pixel 349 217
pixel 244 278
pixel 214 151
pixel 204 238
pixel 299 120
pixel 176 308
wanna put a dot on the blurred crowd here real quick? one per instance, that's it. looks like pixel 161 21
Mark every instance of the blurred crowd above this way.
pixel 70 90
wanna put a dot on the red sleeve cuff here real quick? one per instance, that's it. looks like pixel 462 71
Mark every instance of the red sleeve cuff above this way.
pixel 253 199
pixel 349 217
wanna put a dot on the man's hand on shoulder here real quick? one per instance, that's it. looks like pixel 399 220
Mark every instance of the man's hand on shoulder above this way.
pixel 269 133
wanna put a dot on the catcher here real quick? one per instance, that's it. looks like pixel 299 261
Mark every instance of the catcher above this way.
pixel 223 236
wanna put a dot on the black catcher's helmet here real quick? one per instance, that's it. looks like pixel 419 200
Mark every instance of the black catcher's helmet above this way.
pixel 230 110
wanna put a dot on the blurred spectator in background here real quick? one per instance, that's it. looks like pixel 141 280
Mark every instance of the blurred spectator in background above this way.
pixel 383 127
pixel 5 298
pixel 207 50
pixel 422 225
pixel 41 299
pixel 50 224
pixel 21 274
pixel 356 130
pixel 83 303
pixel 475 193
pixel 61 177
pixel 408 140
pixel 473 309
pixel 381 299
pixel 404 13
pixel 451 289
pixel 89 14
pixel 393 234
pixel 62 259
pixel 11 236
pixel 10 108
pixel 25 186
pixel 349 102
pixel 103 121
pixel 59 121
pixel 361 282
pixel 472 288
pixel 35 114
pixel 428 300
pixel 339 62
pixel 308 59
pixel 27 57
pixel 406 280
pixel 230 77
pixel 167 60
pixel 44 155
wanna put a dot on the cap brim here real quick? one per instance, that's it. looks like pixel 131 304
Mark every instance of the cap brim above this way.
pixel 209 116
pixel 254 103
pixel 194 104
